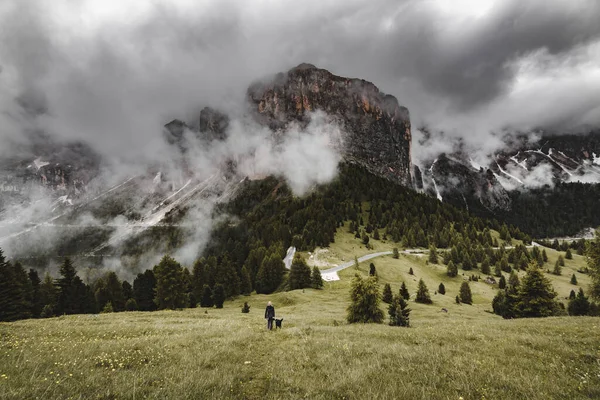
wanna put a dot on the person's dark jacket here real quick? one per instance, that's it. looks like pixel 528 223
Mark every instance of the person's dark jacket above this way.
pixel 270 312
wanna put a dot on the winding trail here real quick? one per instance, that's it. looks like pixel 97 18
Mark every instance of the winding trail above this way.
pixel 331 273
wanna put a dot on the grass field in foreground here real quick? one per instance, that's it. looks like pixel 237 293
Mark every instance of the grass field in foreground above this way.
pixel 467 352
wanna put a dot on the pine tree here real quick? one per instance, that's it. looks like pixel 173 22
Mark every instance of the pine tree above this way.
pixel 423 293
pixel 316 279
pixel 536 295
pixel 404 292
pixel 15 291
pixel 67 296
pixel 433 257
pixel 219 295
pixel 127 290
pixel 485 266
pixel 386 295
pixel 452 269
pixel 36 299
pixel 270 274
pixel 410 271
pixel 497 269
pixel 48 297
pixel 207 297
pixel 544 255
pixel 557 269
pixel 502 283
pixel 364 301
pixel 131 304
pixel 114 288
pixel 457 299
pixel 568 254
pixel 372 270
pixel 143 290
pixel 561 261
pixel 573 280
pixel 580 305
pixel 513 279
pixel 395 252
pixel 246 283
pixel 572 295
pixel 442 289
pixel 465 293
pixel 108 308
pixel 399 312
pixel 170 285
pixel 299 276
pixel 593 260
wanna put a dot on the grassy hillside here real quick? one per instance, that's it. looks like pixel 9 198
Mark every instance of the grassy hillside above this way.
pixel 467 352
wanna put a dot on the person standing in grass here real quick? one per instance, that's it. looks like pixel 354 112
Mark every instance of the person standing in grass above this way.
pixel 270 315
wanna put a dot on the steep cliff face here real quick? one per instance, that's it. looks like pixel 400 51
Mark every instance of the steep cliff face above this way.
pixel 377 129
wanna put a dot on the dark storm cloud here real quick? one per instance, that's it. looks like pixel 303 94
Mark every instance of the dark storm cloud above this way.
pixel 114 81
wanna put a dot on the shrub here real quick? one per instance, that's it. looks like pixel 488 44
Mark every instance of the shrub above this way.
pixel 245 308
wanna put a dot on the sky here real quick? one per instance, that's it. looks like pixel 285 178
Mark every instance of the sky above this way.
pixel 112 72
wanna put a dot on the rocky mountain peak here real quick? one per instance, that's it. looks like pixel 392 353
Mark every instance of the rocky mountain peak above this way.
pixel 377 129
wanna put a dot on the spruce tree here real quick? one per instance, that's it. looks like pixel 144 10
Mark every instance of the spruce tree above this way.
pixel 513 279
pixel 36 299
pixel 568 254
pixel 67 290
pixel 544 255
pixel 299 276
pixel 404 292
pixel 557 269
pixel 536 295
pixel 465 293
pixel 170 285
pixel 114 288
pixel 372 270
pixel 207 297
pixel 15 291
pixel 573 280
pixel 131 305
pixel 442 289
pixel 497 269
pixel 572 294
pixel 219 295
pixel 561 261
pixel 143 291
pixel 245 308
pixel 593 261
pixel 364 301
pixel 580 305
pixel 433 256
pixel 457 299
pixel 127 290
pixel 270 274
pixel 423 293
pixel 502 283
pixel 386 295
pixel 395 252
pixel 399 312
pixel 410 271
pixel 48 297
pixel 452 269
pixel 485 266
pixel 246 283
pixel 316 278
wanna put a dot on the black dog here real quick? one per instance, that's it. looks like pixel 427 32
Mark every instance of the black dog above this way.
pixel 278 323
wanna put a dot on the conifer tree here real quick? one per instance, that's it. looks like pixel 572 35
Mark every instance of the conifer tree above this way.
pixel 399 312
pixel 561 261
pixel 404 292
pixel 580 305
pixel 593 261
pixel 457 299
pixel 219 295
pixel 433 256
pixel 15 291
pixel 131 304
pixel 48 297
pixel 497 269
pixel 127 290
pixel 372 270
pixel 386 295
pixel 572 294
pixel 573 280
pixel 170 285
pixel 114 289
pixel 316 278
pixel 568 254
pixel 246 283
pixel 207 297
pixel 544 255
pixel 299 276
pixel 442 289
pixel 245 308
pixel 465 293
pixel 423 293
pixel 536 295
pixel 364 301
pixel 452 269
pixel 557 269
pixel 36 300
pixel 395 252
pixel 270 274
pixel 410 271
pixel 502 283
pixel 513 279
pixel 67 289
pixel 143 290
pixel 485 266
